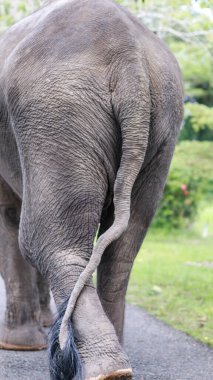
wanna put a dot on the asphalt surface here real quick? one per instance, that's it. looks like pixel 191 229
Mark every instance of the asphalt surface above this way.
pixel 156 351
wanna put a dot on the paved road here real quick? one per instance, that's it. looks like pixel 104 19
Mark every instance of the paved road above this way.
pixel 156 351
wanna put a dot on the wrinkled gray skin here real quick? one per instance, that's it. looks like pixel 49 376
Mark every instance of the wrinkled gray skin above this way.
pixel 27 293
pixel 84 89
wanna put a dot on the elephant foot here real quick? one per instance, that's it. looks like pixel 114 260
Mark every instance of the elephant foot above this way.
pixel 23 338
pixel 97 353
pixel 101 354
pixel 122 374
pixel 96 372
pixel 46 317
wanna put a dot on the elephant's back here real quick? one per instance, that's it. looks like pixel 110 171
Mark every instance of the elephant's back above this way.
pixel 87 35
pixel 77 31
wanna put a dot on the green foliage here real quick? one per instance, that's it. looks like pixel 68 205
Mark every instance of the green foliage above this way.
pixel 12 11
pixel 178 207
pixel 200 115
pixel 6 19
pixel 198 123
pixel 196 64
pixel 190 181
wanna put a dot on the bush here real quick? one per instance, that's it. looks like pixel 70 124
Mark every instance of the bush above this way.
pixel 198 123
pixel 190 180
pixel 179 205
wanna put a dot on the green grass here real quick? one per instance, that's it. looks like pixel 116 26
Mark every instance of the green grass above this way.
pixel 166 286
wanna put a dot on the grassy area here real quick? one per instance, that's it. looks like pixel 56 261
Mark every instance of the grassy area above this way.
pixel 173 278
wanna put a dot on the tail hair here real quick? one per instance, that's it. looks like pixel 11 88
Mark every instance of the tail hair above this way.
pixel 63 364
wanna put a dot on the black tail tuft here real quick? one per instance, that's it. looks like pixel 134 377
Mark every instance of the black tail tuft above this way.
pixel 66 364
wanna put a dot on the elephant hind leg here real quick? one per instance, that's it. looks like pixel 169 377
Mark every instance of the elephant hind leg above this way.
pixel 21 328
pixel 117 261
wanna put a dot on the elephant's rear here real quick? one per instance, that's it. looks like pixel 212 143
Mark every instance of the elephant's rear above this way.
pixel 78 51
pixel 91 102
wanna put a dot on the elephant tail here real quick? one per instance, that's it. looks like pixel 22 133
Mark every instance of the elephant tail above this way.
pixel 130 98
pixel 66 363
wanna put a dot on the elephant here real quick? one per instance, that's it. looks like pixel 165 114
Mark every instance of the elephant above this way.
pixel 91 104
